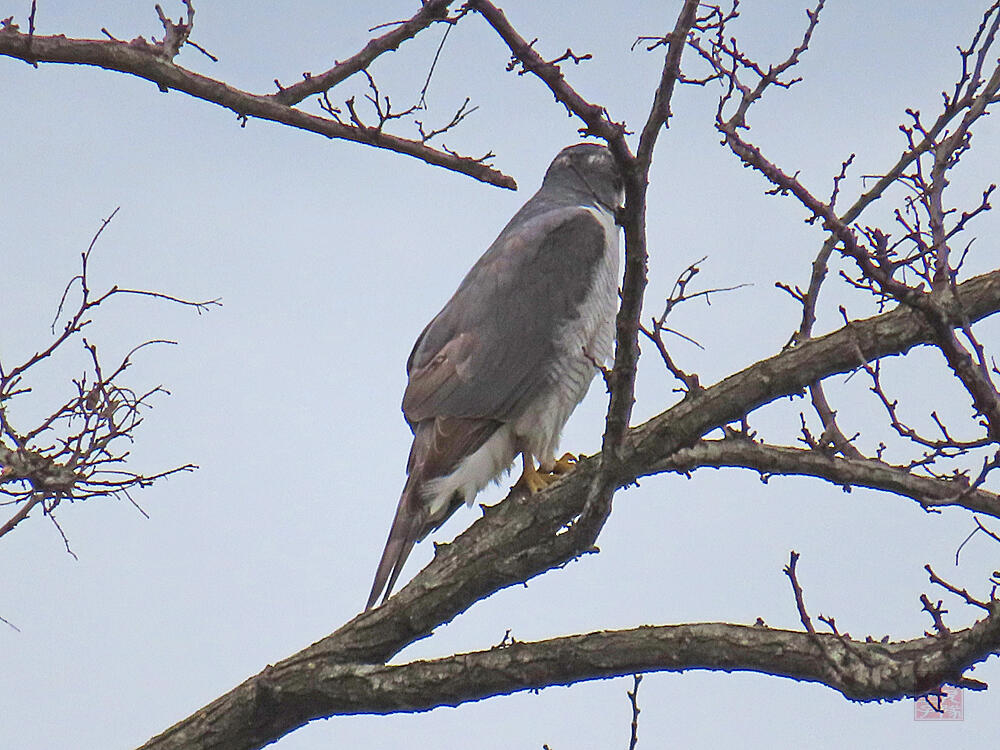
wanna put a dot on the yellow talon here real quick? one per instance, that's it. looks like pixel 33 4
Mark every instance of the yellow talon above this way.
pixel 532 480
pixel 535 480
pixel 565 465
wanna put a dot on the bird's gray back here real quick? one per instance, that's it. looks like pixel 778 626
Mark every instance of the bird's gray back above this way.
pixel 502 319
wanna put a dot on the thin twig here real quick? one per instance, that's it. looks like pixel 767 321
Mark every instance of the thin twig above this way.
pixel 800 604
pixel 633 700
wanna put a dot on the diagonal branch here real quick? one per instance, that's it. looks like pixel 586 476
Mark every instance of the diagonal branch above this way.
pixel 25 510
pixel 791 371
pixel 522 537
pixel 930 492
pixel 594 116
pixel 430 11
pixel 149 61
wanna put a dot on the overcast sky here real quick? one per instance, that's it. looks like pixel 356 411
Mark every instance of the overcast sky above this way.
pixel 330 257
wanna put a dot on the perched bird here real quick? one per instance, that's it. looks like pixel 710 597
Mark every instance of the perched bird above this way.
pixel 499 370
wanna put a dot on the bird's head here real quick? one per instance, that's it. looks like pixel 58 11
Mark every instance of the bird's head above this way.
pixel 588 170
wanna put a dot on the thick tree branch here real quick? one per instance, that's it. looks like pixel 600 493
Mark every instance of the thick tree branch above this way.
pixel 521 537
pixel 861 671
pixel 149 61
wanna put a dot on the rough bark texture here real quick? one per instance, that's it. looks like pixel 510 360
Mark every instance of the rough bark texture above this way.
pixel 519 538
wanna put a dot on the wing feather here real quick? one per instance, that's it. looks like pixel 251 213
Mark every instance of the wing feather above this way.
pixel 483 354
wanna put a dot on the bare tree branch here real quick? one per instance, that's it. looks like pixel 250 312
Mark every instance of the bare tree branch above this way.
pixel 773 460
pixel 800 604
pixel 154 62
pixel 522 536
pixel 81 449
pixel 877 270
pixel 594 117
pixel 430 12
pixel 288 695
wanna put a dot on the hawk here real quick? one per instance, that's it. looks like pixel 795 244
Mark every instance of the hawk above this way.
pixel 499 370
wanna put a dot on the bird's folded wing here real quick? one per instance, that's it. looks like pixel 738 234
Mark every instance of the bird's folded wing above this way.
pixel 484 354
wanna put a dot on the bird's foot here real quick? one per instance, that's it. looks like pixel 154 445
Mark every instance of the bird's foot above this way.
pixel 533 481
pixel 565 465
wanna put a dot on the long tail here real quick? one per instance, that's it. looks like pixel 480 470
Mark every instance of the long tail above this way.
pixel 407 528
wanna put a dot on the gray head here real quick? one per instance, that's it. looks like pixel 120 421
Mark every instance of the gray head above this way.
pixel 588 172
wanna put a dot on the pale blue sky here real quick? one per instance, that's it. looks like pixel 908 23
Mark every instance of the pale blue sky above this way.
pixel 330 257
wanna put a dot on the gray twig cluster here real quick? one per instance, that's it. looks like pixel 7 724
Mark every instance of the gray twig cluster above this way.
pixel 81 449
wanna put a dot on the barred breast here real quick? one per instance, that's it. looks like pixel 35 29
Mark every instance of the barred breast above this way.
pixel 583 343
